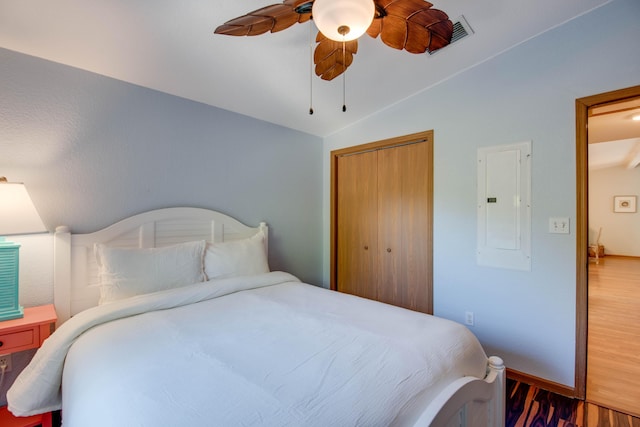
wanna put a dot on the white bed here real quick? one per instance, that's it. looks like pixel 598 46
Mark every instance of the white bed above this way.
pixel 245 348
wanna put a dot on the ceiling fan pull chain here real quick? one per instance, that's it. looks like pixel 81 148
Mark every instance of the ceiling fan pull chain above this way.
pixel 311 66
pixel 344 76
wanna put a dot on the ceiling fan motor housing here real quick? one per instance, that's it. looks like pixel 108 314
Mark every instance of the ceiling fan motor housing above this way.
pixel 343 20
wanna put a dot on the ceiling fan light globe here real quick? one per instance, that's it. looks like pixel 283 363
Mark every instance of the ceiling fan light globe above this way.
pixel 332 16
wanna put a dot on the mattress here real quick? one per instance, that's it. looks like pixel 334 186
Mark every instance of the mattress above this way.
pixel 252 350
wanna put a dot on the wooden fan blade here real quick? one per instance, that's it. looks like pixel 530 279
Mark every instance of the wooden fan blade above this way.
pixel 441 33
pixel 411 25
pixel 274 18
pixel 381 11
pixel 329 58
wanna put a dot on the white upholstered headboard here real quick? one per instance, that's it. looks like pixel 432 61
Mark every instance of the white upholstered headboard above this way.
pixel 76 281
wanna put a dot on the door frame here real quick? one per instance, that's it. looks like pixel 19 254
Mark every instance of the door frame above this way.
pixel 376 145
pixel 582 225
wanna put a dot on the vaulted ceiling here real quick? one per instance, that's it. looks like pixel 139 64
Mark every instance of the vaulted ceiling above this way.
pixel 170 46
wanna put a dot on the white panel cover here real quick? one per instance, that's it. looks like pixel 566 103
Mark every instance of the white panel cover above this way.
pixel 502 184
pixel 504 206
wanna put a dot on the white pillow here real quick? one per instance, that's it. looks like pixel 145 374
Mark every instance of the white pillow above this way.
pixel 126 272
pixel 236 258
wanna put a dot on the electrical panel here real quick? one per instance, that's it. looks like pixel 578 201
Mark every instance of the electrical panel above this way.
pixel 504 206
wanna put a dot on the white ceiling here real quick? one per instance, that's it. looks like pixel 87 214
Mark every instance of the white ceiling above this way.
pixel 614 138
pixel 170 46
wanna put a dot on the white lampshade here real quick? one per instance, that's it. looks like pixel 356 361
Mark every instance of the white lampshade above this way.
pixel 18 215
pixel 333 16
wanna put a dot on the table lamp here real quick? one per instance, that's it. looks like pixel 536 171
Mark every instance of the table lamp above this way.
pixel 18 215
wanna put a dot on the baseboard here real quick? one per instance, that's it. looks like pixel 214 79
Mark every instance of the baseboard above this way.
pixel 621 256
pixel 551 386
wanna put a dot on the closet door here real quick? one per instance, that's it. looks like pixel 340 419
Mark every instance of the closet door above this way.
pixel 357 214
pixel 390 172
pixel 404 226
pixel 417 228
pixel 381 221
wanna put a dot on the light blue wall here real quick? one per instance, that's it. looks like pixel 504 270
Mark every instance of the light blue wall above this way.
pixel 619 232
pixel 527 93
pixel 93 150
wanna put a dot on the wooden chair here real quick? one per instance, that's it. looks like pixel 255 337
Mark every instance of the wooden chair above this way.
pixel 596 250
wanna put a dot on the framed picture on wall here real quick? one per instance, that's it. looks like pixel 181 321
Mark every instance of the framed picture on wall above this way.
pixel 624 203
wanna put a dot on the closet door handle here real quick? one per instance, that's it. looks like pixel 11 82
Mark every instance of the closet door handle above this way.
pixel 388 249
pixel 366 248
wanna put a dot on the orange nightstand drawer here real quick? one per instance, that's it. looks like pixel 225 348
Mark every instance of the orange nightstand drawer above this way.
pixel 8 420
pixel 23 334
pixel 29 331
pixel 10 343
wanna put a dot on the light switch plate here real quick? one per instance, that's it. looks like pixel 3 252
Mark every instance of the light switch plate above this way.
pixel 559 225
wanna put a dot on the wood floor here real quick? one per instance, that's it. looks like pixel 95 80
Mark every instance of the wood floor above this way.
pixel 596 416
pixel 613 345
pixel 529 406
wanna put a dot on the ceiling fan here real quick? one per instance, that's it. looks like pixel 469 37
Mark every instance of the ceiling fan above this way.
pixel 411 25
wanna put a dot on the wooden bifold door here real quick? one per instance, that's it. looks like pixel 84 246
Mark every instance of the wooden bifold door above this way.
pixel 382 197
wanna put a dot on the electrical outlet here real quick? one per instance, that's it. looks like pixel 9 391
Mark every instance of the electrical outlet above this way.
pixel 468 318
pixel 5 359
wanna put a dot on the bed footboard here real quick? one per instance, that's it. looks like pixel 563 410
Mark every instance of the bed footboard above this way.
pixel 470 401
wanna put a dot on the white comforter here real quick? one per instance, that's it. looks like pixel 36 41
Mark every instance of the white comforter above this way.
pixel 260 350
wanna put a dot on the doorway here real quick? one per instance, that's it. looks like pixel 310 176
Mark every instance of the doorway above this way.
pixel 583 108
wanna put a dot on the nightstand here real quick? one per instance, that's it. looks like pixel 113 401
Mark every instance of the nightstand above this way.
pixel 24 334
